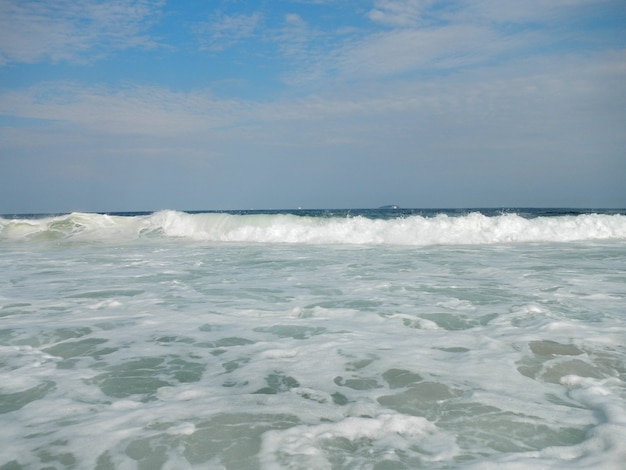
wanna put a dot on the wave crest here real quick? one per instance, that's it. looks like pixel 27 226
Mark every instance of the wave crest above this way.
pixel 473 228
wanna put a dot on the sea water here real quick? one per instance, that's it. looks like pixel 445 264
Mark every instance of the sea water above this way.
pixel 313 340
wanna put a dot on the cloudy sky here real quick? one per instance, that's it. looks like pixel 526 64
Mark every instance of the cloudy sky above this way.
pixel 126 105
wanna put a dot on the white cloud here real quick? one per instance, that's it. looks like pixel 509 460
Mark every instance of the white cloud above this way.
pixel 399 51
pixel 400 13
pixel 223 31
pixel 35 30
pixel 531 93
pixel 414 13
pixel 295 37
pixel 139 110
pixel 527 11
pixel 437 37
pixel 533 118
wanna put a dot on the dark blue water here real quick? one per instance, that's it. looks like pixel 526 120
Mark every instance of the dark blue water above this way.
pixel 384 213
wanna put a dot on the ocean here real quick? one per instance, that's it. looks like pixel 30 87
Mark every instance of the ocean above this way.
pixel 330 339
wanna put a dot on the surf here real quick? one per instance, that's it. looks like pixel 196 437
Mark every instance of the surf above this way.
pixel 472 228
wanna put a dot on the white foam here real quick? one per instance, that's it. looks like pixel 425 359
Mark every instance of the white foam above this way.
pixel 605 443
pixel 198 353
pixel 474 228
pixel 279 353
pixel 384 434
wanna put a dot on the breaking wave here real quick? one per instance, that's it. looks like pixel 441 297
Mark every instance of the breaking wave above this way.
pixel 418 230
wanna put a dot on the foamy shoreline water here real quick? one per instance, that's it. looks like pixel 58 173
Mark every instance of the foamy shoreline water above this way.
pixel 175 340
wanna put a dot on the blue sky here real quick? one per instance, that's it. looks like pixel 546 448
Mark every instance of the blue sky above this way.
pixel 129 105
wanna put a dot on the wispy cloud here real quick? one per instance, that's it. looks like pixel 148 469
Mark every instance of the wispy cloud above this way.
pixel 428 13
pixel 400 13
pixel 294 36
pixel 412 37
pixel 409 50
pixel 66 30
pixel 455 87
pixel 132 110
pixel 222 31
pixel 516 94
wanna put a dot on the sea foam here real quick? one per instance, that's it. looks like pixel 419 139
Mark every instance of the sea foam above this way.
pixel 472 228
pixel 214 340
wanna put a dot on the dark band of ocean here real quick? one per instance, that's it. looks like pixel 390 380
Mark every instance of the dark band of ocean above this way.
pixel 327 339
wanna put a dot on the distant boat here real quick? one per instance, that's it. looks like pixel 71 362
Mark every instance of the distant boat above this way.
pixel 390 206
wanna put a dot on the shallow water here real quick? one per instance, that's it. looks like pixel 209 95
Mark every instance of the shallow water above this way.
pixel 155 351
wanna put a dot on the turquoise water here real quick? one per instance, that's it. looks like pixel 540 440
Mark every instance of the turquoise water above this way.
pixel 318 340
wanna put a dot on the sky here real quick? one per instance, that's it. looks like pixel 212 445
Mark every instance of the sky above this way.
pixel 139 105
